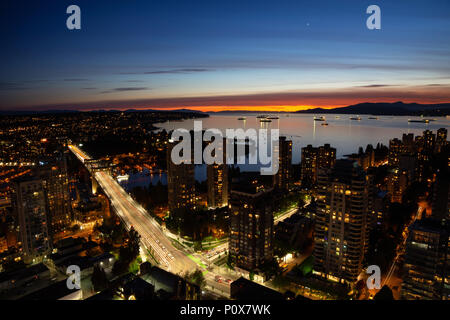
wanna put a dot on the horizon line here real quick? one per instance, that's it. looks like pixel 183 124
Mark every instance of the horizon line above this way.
pixel 213 108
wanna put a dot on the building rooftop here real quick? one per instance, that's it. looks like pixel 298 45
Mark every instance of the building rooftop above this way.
pixel 344 170
pixel 243 289
pixel 54 291
pixel 23 273
pixel 162 276
pixel 430 225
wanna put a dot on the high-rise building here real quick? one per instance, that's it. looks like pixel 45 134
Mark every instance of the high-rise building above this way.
pixel 408 142
pixel 402 176
pixel 409 162
pixel 427 270
pixel 314 159
pixel 217 180
pixel 396 148
pixel 440 201
pixel 368 159
pixel 29 203
pixel 429 139
pixel 376 200
pixel 180 183
pixel 441 139
pixel 342 222
pixel 365 159
pixel 309 164
pixel 56 186
pixel 425 147
pixel 423 169
pixel 283 177
pixel 418 142
pixel 251 229
pixel 326 156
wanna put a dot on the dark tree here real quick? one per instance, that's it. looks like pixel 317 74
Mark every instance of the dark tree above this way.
pixel 99 279
pixel 197 278
pixel 384 294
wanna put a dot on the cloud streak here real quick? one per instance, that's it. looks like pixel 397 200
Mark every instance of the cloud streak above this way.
pixel 276 101
pixel 12 86
pixel 376 86
pixel 75 79
pixel 124 89
pixel 170 71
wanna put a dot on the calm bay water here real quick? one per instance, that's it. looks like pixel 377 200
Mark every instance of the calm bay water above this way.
pixel 341 133
pixel 143 179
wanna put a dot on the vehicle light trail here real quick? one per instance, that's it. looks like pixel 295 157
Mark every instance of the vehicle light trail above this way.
pixel 152 237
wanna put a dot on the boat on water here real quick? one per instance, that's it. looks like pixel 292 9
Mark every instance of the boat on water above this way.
pixel 121 178
pixel 262 116
pixel 242 118
pixel 355 118
pixel 373 118
pixel 265 120
pixel 322 118
pixel 419 120
pixel 338 117
pixel 324 124
pixel 273 117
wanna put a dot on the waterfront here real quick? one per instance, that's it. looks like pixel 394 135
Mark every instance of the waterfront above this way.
pixel 144 178
pixel 341 133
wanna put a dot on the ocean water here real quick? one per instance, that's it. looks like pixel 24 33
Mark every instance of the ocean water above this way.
pixel 341 133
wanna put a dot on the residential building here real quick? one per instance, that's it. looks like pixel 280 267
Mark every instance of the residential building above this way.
pixel 251 229
pixel 282 178
pixel 180 183
pixel 341 229
pixel 217 180
pixel 314 159
pixel 427 272
pixel 30 206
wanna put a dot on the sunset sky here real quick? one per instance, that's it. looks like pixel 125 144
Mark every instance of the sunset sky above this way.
pixel 222 55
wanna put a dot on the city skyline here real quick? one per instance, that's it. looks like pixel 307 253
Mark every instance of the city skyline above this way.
pixel 225 151
pixel 312 231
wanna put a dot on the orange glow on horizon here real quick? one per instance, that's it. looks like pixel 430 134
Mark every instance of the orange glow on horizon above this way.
pixel 235 108
pixel 259 106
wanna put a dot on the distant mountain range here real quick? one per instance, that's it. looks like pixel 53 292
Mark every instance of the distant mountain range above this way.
pixel 40 112
pixel 377 108
pixel 384 108
pixel 160 110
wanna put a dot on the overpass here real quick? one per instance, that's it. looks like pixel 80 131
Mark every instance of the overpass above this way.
pixel 153 239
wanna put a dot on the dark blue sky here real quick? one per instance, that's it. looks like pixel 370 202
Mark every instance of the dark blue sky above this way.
pixel 222 54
